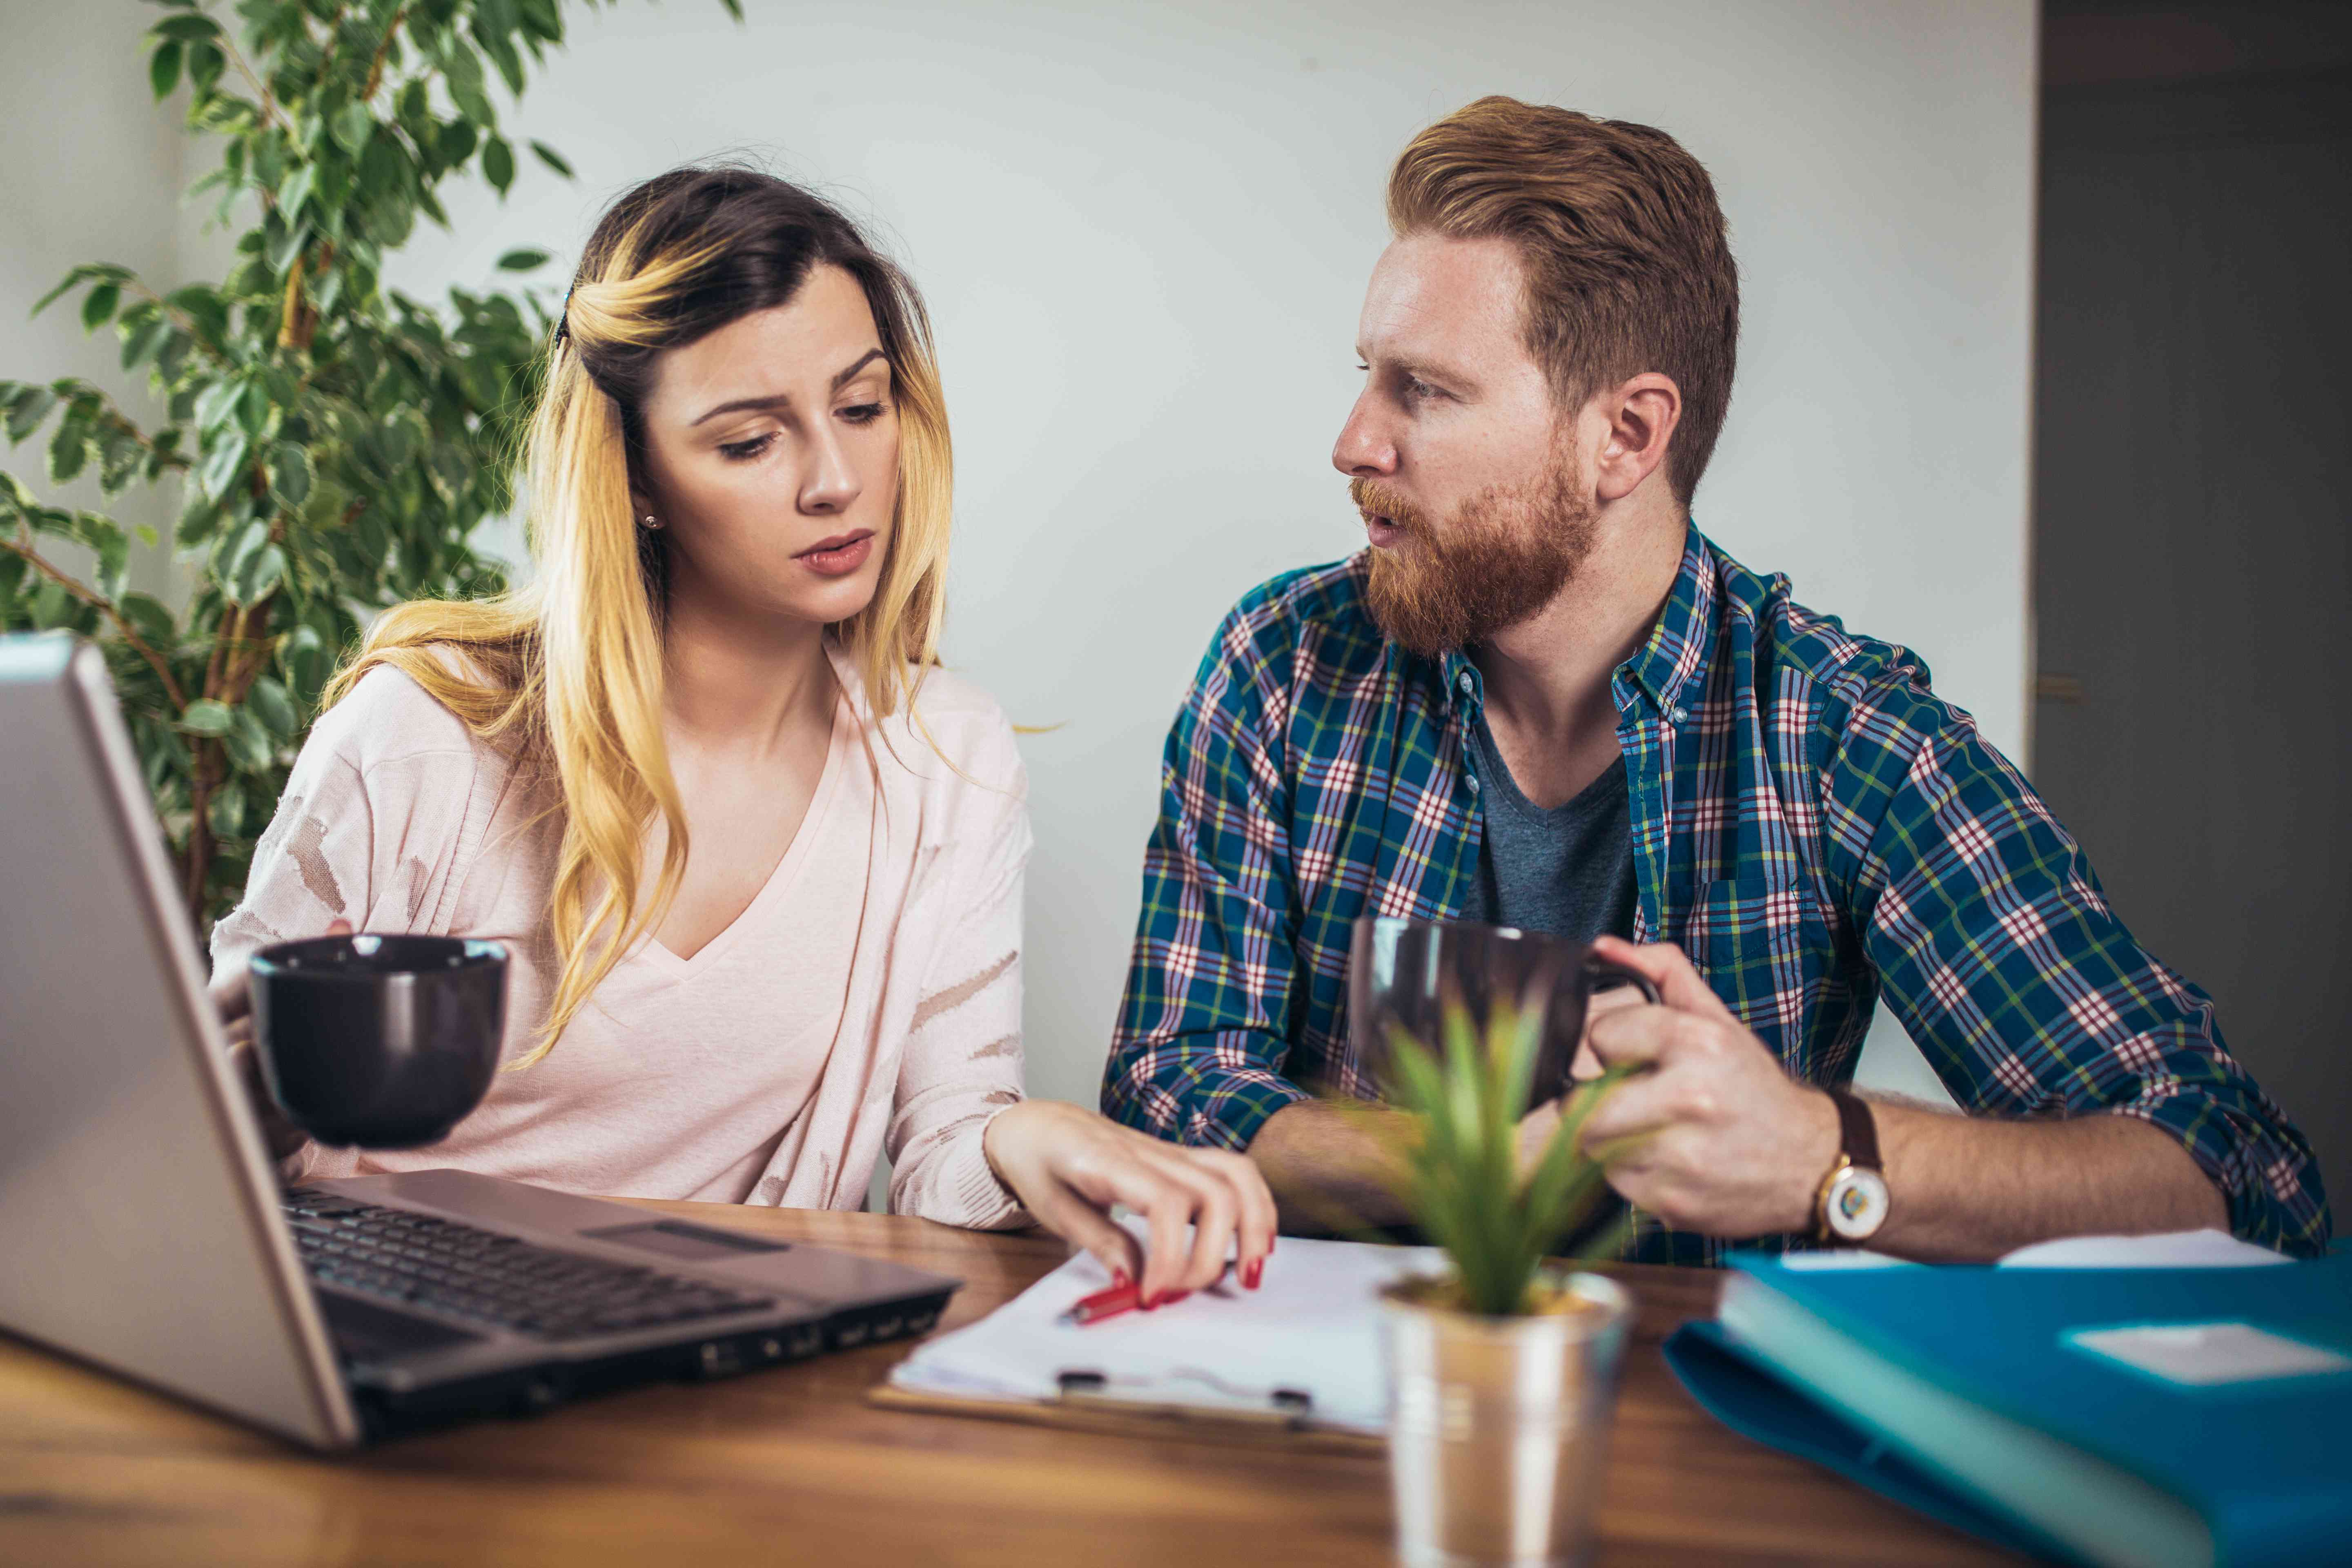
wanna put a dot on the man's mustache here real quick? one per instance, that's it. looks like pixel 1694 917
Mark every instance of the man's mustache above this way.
pixel 1371 496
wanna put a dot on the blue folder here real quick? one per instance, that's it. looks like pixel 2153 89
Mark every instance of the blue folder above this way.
pixel 1924 1384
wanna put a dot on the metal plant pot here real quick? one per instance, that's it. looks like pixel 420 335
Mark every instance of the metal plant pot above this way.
pixel 1499 1427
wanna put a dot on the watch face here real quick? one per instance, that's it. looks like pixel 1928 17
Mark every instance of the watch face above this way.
pixel 1857 1203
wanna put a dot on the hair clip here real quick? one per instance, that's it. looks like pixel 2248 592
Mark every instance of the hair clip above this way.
pixel 563 317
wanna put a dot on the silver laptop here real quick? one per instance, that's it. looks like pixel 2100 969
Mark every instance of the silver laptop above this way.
pixel 143 1226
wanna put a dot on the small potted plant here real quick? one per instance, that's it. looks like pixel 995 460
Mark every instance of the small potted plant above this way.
pixel 1502 1369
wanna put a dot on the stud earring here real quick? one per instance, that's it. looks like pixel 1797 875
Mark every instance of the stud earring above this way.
pixel 652 522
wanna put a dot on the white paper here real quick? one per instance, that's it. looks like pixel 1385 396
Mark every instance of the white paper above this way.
pixel 1841 1258
pixel 2203 1355
pixel 1312 1325
pixel 2176 1249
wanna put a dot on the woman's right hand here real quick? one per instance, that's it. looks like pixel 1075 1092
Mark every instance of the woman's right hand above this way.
pixel 233 996
pixel 1068 1165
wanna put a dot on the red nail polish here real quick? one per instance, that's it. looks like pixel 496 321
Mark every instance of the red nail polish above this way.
pixel 1119 1279
pixel 1251 1272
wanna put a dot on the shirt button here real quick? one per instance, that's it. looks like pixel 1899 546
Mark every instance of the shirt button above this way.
pixel 1682 715
pixel 1466 683
pixel 1474 783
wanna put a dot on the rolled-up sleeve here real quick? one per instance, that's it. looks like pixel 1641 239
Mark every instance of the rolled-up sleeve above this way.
pixel 1198 1053
pixel 1997 951
pixel 962 1063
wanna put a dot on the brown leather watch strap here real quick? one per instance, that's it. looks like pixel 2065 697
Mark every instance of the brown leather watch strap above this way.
pixel 1857 1131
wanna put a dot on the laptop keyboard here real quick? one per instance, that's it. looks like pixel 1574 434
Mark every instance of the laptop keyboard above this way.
pixel 486 1276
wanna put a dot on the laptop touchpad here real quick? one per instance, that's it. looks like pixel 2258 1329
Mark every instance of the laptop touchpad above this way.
pixel 365 1331
pixel 693 1243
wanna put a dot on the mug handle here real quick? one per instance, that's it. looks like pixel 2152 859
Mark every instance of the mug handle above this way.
pixel 1599 967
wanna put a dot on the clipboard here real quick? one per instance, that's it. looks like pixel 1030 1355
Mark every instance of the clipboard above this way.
pixel 1088 1410
pixel 1297 1363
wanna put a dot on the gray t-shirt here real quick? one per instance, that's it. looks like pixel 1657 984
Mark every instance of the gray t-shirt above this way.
pixel 1567 871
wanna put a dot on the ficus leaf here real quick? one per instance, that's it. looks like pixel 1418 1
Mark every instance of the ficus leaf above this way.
pixel 164 68
pixel 222 465
pixel 296 190
pixel 247 742
pixel 98 307
pixel 68 448
pixel 275 709
pixel 188 28
pixel 552 159
pixel 257 574
pixel 150 617
pixel 289 472
pixel 216 403
pixel 353 124
pixel 287 245
pixel 147 341
pixel 497 163
pixel 522 260
pixel 205 63
pixel 454 142
pixel 65 285
pixel 32 406
pixel 205 717
pixel 502 54
pixel 226 811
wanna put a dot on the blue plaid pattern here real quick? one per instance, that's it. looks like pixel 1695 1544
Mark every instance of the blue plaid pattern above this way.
pixel 1811 824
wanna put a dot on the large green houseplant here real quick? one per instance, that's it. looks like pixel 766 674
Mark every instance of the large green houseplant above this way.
pixel 335 443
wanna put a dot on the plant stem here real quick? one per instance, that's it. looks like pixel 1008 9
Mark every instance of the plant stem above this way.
pixel 375 66
pixel 124 422
pixel 269 101
pixel 185 322
pixel 289 323
pixel 204 778
pixel 227 679
pixel 106 607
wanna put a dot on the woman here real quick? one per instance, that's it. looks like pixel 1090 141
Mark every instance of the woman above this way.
pixel 762 858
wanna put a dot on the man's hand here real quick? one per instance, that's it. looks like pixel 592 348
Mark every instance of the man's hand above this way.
pixel 1716 1137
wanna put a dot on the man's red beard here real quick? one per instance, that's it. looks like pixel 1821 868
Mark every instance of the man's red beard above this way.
pixel 1501 557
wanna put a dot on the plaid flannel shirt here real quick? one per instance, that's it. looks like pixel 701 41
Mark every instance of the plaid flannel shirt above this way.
pixel 1811 824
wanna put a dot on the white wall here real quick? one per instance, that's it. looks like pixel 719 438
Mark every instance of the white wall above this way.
pixel 1144 233
pixel 90 172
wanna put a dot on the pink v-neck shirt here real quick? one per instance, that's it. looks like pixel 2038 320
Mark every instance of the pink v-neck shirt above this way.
pixel 866 1001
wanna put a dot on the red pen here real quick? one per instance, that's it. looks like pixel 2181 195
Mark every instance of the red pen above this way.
pixel 1125 1297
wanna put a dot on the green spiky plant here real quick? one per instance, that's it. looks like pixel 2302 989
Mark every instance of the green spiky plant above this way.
pixel 1457 1163
pixel 335 443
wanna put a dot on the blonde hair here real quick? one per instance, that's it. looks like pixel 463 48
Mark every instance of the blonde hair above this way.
pixel 566 673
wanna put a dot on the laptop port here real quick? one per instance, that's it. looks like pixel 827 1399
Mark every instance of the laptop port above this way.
pixel 719 1358
pixel 850 1334
pixel 888 1327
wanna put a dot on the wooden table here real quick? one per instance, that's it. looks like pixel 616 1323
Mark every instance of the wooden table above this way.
pixel 792 1466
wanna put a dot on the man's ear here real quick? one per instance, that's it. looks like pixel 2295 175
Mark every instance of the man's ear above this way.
pixel 1643 413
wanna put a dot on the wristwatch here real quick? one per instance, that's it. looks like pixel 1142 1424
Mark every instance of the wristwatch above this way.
pixel 1851 1203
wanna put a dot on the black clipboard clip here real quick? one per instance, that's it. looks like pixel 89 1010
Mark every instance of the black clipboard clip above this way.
pixel 1187 1391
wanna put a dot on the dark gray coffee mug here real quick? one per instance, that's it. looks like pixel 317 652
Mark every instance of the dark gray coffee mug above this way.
pixel 386 1042
pixel 1402 972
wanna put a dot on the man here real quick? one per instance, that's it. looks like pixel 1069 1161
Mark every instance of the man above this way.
pixel 1543 699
